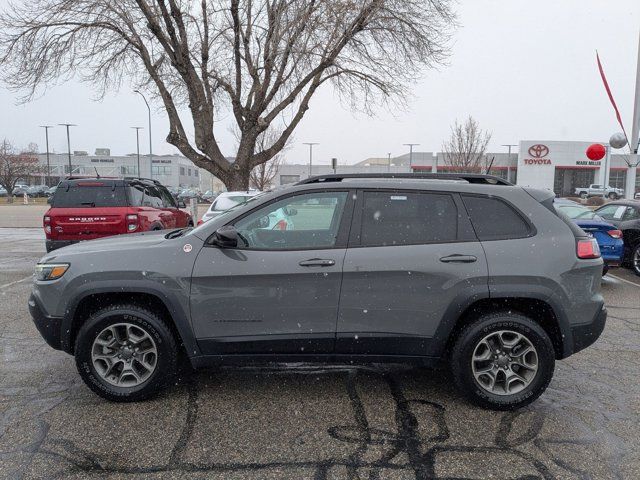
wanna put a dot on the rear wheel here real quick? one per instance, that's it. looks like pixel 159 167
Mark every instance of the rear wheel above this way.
pixel 502 361
pixel 613 196
pixel 635 259
pixel 583 195
pixel 126 353
pixel 605 270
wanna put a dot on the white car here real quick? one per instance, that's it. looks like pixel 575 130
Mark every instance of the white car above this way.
pixel 225 201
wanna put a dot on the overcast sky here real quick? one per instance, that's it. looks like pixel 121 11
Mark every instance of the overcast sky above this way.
pixel 523 69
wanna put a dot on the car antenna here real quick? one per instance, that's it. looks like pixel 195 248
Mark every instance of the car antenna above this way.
pixel 96 169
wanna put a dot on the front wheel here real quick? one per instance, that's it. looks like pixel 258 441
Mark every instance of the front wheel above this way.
pixel 502 361
pixel 613 196
pixel 583 195
pixel 126 353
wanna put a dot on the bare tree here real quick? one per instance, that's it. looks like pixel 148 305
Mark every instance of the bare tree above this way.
pixel 263 175
pixel 466 148
pixel 262 60
pixel 16 166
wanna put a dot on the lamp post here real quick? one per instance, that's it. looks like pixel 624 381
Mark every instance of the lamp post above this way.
pixel 68 144
pixel 411 145
pixel 46 136
pixel 509 145
pixel 150 147
pixel 310 153
pixel 137 129
pixel 389 162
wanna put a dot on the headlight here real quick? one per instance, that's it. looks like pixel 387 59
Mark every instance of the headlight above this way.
pixel 50 271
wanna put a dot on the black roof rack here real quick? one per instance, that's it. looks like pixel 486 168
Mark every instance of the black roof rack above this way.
pixel 142 179
pixel 468 177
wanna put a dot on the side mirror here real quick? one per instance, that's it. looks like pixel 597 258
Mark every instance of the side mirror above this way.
pixel 225 237
pixel 181 204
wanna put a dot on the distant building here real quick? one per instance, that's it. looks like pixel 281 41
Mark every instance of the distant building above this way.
pixel 170 170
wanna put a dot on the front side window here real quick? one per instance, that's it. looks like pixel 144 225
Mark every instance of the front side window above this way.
pixel 309 221
pixel 408 218
pixel 152 198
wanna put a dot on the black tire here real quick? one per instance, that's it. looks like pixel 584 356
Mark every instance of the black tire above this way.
pixel 583 195
pixel 613 196
pixel 152 324
pixel 635 254
pixel 469 338
pixel 605 270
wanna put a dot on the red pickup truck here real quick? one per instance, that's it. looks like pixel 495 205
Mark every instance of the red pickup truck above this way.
pixel 89 208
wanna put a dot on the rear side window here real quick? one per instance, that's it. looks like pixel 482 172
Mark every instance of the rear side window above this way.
pixel 408 218
pixel 493 219
pixel 87 196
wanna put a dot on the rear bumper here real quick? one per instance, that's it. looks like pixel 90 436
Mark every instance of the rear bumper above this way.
pixel 55 244
pixel 586 334
pixel 49 327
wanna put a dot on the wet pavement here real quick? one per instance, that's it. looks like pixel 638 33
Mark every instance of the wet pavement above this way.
pixel 312 421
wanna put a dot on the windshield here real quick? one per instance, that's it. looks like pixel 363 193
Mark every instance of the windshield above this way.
pixel 225 203
pixel 578 212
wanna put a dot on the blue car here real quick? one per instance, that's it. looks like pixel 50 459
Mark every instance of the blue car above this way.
pixel 608 236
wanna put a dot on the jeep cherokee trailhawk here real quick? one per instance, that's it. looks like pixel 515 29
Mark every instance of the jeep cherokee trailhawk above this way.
pixel 465 270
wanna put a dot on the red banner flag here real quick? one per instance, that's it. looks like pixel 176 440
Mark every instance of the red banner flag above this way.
pixel 613 102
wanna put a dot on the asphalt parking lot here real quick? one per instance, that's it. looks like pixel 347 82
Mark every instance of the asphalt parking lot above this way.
pixel 311 421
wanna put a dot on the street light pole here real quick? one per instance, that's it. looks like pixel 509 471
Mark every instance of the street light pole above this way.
pixel 46 136
pixel 509 145
pixel 310 154
pixel 68 144
pixel 137 129
pixel 389 162
pixel 150 147
pixel 411 145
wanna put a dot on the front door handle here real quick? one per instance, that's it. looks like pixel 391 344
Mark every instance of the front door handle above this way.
pixel 459 259
pixel 317 262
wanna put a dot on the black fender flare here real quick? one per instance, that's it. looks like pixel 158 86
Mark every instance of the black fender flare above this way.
pixel 180 317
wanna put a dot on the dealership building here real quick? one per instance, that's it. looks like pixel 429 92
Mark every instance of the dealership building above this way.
pixel 560 166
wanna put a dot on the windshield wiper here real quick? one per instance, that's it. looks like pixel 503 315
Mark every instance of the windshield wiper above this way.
pixel 176 233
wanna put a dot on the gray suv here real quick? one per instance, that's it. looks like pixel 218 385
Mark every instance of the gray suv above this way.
pixel 468 271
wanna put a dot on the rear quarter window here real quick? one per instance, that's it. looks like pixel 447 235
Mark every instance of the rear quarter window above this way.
pixel 83 196
pixel 494 219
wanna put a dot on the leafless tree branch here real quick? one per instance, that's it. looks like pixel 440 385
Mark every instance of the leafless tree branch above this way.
pixel 465 150
pixel 263 60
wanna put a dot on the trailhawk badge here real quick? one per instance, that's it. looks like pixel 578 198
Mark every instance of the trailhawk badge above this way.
pixel 187 248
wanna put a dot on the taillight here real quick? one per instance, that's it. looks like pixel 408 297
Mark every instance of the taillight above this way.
pixel 47 224
pixel 588 249
pixel 132 223
pixel 281 225
pixel 615 233
pixel 200 222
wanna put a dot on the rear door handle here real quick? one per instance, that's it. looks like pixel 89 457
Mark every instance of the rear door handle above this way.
pixel 459 259
pixel 317 262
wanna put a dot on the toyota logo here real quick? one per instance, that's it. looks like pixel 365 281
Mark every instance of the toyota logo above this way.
pixel 538 151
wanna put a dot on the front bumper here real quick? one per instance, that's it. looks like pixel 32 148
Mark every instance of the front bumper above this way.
pixel 586 334
pixel 49 327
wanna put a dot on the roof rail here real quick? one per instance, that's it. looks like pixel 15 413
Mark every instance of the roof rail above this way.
pixel 142 179
pixel 468 177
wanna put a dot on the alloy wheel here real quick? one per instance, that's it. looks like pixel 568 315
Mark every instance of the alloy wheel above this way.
pixel 504 362
pixel 636 260
pixel 124 355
